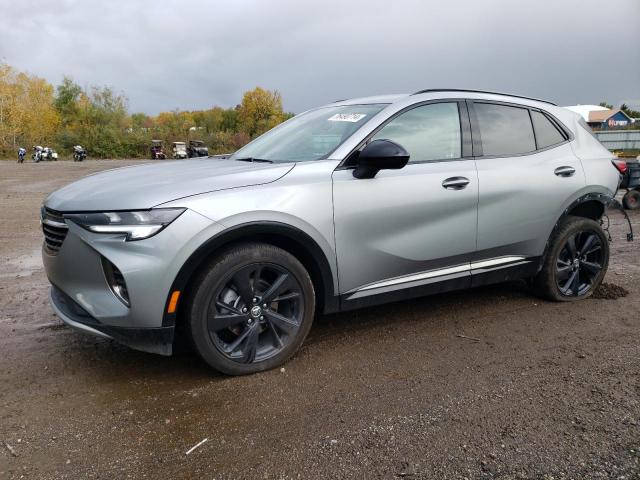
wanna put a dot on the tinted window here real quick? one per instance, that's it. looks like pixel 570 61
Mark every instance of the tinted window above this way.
pixel 429 132
pixel 546 132
pixel 504 130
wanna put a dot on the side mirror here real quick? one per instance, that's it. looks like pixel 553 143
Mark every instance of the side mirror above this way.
pixel 380 155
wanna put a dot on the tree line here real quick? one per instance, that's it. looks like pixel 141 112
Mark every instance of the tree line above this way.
pixel 34 112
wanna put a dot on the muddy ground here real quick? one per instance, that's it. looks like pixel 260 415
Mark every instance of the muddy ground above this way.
pixel 487 383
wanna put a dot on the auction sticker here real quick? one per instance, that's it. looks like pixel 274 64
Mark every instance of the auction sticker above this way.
pixel 347 117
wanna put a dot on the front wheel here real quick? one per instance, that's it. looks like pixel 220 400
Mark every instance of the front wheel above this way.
pixel 252 308
pixel 576 261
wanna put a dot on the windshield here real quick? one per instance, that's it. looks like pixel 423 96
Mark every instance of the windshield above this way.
pixel 310 136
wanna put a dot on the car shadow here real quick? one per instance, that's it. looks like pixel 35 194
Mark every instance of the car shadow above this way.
pixel 114 363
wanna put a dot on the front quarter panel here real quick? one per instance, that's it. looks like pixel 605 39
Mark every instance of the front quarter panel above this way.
pixel 301 199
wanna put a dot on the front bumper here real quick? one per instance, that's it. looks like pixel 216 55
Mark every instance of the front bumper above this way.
pixel 153 340
pixel 81 294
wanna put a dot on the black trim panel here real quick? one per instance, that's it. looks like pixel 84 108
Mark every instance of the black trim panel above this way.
pixel 465 128
pixel 525 269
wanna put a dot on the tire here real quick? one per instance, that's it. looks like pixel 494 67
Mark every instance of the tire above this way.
pixel 232 332
pixel 631 200
pixel 573 273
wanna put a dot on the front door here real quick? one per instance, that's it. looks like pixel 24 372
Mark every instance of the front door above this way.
pixel 415 226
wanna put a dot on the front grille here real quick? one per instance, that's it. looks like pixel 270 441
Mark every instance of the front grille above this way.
pixel 55 230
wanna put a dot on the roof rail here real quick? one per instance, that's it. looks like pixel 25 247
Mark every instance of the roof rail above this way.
pixel 429 90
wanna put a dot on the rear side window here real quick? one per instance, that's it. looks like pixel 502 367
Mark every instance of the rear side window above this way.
pixel 428 132
pixel 504 130
pixel 547 133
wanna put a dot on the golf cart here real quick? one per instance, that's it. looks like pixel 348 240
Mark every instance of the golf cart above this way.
pixel 179 150
pixel 631 183
pixel 157 153
pixel 197 149
pixel 79 153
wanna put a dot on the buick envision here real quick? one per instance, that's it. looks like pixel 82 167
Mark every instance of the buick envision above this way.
pixel 352 204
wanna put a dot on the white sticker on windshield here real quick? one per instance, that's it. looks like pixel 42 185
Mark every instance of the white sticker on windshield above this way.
pixel 347 117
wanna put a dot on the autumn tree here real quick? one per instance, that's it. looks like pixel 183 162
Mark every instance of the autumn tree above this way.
pixel 27 112
pixel 260 110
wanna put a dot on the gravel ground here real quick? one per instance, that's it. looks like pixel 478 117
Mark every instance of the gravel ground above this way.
pixel 487 383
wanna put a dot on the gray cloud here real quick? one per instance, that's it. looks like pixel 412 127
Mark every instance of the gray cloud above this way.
pixel 198 53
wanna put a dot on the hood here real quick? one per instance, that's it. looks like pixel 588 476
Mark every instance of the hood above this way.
pixel 146 186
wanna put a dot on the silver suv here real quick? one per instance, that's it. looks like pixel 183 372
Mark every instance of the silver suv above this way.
pixel 352 204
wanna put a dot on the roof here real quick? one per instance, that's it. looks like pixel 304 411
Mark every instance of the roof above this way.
pixel 396 97
pixel 603 115
pixel 466 90
pixel 372 100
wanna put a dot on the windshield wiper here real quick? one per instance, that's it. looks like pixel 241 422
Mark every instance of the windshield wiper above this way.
pixel 252 159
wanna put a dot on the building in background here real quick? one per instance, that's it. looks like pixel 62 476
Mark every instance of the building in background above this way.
pixel 601 117
pixel 610 127
pixel 609 119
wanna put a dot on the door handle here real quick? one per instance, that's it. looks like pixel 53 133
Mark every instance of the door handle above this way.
pixel 564 171
pixel 455 183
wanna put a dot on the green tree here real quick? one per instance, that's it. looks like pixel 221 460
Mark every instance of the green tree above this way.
pixel 66 100
pixel 629 111
pixel 260 110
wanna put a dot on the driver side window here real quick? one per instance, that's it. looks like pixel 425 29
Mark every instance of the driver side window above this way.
pixel 428 132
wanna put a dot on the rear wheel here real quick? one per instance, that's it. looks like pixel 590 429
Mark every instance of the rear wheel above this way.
pixel 576 261
pixel 251 310
pixel 631 200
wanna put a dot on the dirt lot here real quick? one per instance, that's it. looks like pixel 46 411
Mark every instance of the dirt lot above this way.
pixel 488 383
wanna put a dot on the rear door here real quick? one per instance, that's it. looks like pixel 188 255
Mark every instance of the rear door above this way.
pixel 526 172
pixel 415 226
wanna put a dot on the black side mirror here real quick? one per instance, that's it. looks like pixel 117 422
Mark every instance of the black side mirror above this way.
pixel 380 155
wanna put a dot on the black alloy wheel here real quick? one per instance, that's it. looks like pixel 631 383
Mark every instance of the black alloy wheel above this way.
pixel 250 308
pixel 579 263
pixel 255 313
pixel 575 261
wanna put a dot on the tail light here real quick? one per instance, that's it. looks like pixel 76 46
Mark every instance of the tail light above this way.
pixel 620 165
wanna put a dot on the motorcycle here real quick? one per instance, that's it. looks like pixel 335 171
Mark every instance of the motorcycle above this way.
pixel 37 153
pixel 21 153
pixel 49 154
pixel 79 153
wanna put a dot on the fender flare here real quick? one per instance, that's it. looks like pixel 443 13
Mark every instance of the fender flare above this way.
pixel 604 198
pixel 254 231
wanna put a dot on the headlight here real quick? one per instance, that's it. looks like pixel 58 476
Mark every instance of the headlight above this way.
pixel 136 224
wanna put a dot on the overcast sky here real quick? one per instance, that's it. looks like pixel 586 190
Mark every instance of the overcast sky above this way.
pixel 193 54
